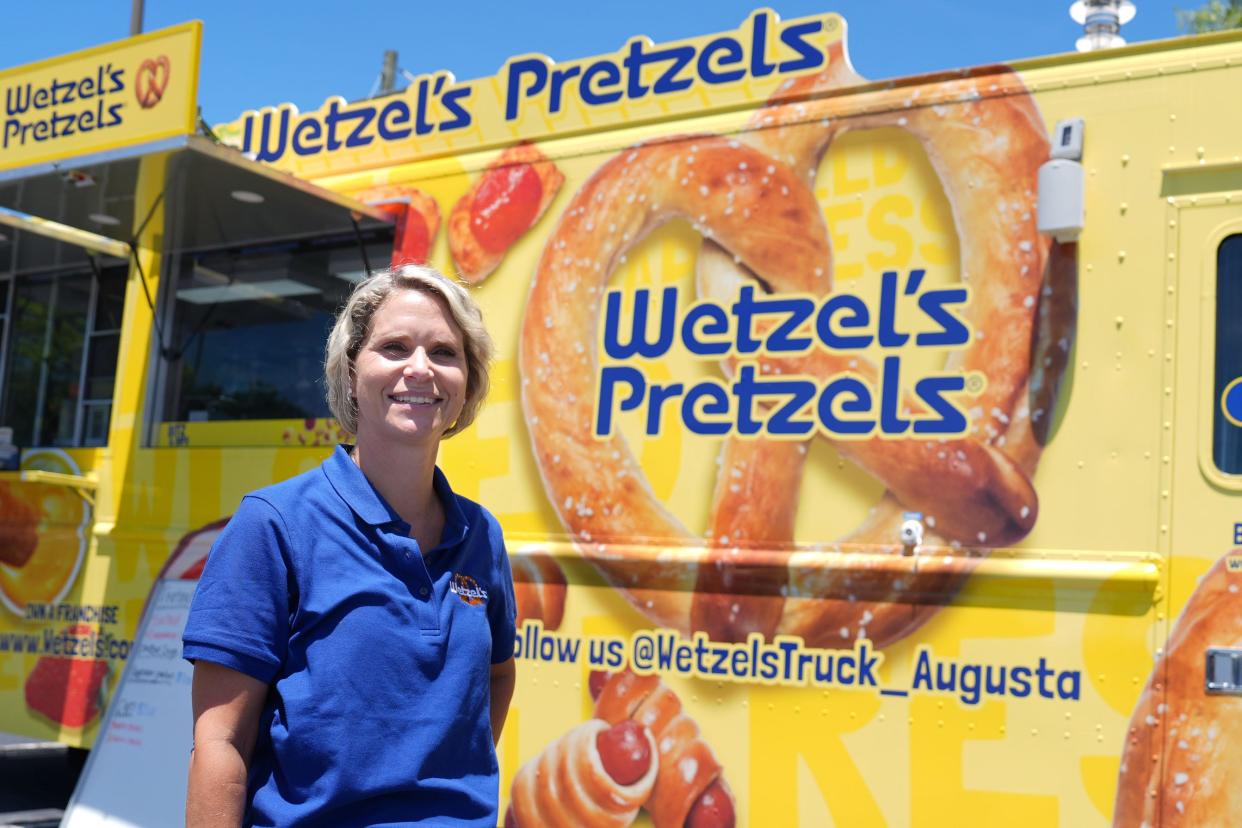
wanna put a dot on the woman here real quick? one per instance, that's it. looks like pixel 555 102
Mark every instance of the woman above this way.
pixel 353 630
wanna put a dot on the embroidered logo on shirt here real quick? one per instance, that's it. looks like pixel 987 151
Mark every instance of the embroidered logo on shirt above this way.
pixel 467 589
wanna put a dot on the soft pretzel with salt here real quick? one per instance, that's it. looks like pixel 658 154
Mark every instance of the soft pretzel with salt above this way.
pixel 571 782
pixel 689 787
pixel 1197 735
pixel 959 123
pixel 754 204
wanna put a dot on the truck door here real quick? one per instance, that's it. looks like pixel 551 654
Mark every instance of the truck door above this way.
pixel 1202 715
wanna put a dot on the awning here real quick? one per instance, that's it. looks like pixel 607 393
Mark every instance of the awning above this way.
pixel 214 196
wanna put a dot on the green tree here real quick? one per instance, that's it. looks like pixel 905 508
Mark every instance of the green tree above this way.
pixel 1212 16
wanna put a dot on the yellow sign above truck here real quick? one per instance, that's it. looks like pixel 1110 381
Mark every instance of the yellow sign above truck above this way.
pixel 121 94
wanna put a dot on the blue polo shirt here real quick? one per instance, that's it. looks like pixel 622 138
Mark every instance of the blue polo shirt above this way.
pixel 378 654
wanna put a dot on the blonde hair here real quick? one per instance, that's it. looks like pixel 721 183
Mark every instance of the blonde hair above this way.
pixel 353 325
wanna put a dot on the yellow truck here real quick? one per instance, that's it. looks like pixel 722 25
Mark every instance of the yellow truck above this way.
pixel 877 446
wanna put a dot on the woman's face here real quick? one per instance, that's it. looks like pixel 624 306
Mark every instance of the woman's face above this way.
pixel 410 375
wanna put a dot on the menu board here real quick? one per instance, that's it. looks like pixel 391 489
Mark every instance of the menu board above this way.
pixel 136 773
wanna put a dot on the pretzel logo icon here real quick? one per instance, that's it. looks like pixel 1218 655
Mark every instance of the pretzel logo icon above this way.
pixel 151 80
pixel 749 198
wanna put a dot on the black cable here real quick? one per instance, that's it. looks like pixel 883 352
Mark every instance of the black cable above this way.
pixel 154 206
pixel 146 291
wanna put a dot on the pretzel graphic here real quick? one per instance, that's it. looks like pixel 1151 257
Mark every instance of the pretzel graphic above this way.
pixel 750 200
pixel 151 80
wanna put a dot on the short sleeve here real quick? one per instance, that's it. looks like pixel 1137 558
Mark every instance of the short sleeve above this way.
pixel 502 607
pixel 239 617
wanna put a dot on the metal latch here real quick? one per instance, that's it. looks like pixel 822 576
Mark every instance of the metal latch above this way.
pixel 1224 671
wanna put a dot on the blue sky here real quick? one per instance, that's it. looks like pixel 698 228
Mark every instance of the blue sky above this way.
pixel 268 52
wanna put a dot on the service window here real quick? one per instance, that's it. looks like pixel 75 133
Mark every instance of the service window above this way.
pixel 1227 420
pixel 61 330
pixel 244 331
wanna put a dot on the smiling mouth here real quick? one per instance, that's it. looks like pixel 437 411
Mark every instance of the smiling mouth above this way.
pixel 414 399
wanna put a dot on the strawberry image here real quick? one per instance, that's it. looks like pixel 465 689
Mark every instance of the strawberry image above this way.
pixel 67 691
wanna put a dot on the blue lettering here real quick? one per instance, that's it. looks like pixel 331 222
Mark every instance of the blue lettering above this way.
pixel 856 399
pixel 744 309
pixel 392 121
pixel 421 125
pixel 731 52
pixel 716 324
pixel 308 129
pixel 746 389
pixel 715 401
pixel 655 404
pixel 638 343
pixel 781 339
pixel 800 394
pixel 633 63
pixel 931 392
pixel 560 74
pixel 855 316
pixel 592 93
pixel 363 115
pixel 537 68
pixel 769 661
pixel 669 82
pixel 810 57
pixel 867 663
pixel 330 121
pixel 462 117
pixel 934 303
pixel 790 649
pixel 891 421
pixel 759 67
pixel 271 144
pixel 970 681
pixel 608 378
pixel 247 131
pixel 1021 682
pixel 888 336
pixel 14 102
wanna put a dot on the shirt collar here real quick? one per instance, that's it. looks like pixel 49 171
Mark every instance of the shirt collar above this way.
pixel 368 504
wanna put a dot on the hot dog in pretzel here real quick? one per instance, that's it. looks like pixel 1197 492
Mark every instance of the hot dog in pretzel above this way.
pixel 690 789
pixel 416 216
pixel 505 202
pixel 597 774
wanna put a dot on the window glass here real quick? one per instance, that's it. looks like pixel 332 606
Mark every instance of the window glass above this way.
pixel 1227 430
pixel 46 339
pixel 247 327
pixel 52 335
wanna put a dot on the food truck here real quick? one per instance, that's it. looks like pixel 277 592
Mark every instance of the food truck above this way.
pixel 876 446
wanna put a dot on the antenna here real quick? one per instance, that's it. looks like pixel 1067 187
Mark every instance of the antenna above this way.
pixel 1102 21
pixel 386 83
